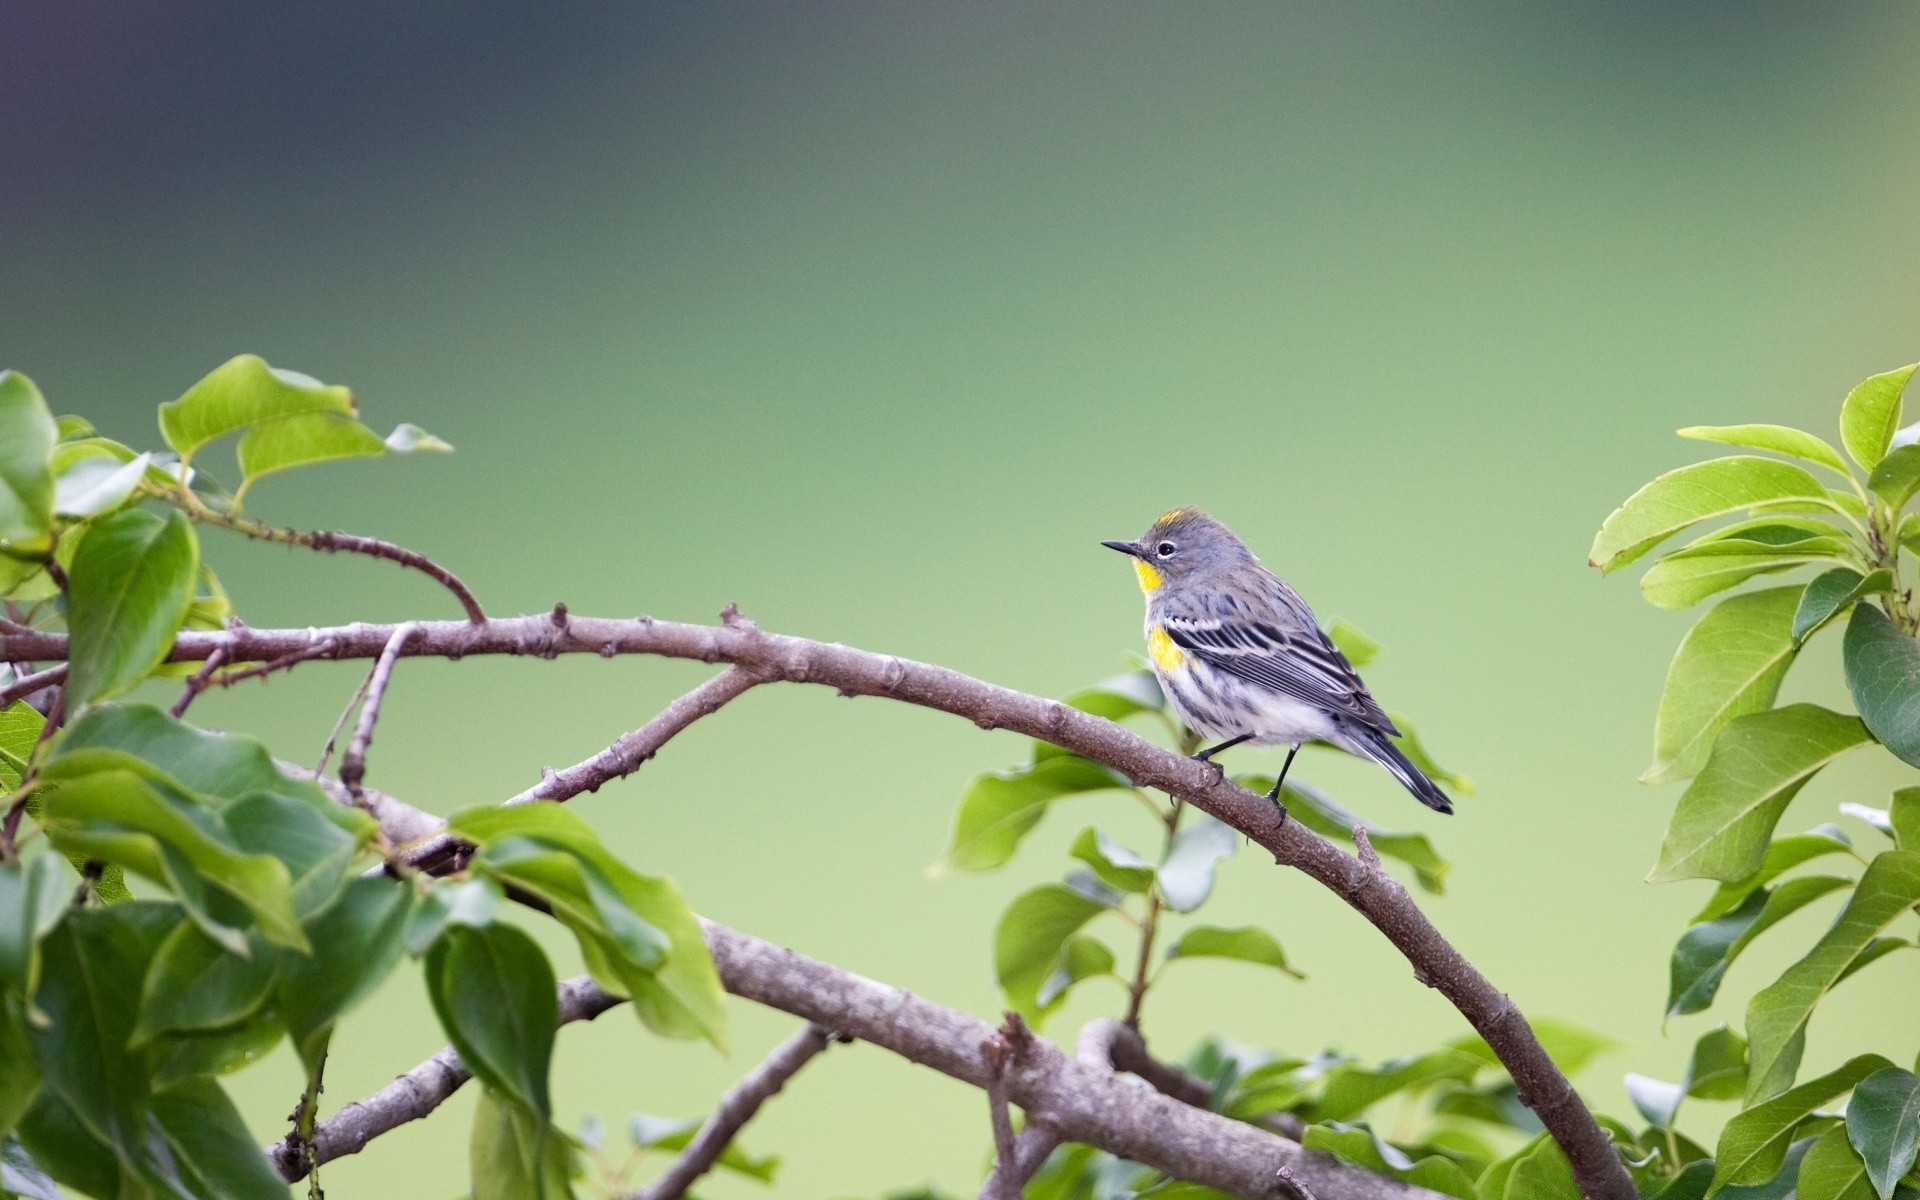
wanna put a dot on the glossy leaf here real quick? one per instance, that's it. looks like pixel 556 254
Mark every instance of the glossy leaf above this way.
pixel 1656 1100
pixel 1883 1125
pixel 179 1057
pixel 1730 663
pixel 132 580
pixel 1778 1012
pixel 27 435
pixel 19 1074
pixel 408 438
pixel 1896 477
pixel 1780 439
pixel 302 439
pixel 1121 697
pixel 195 984
pixel 1832 592
pixel 1116 865
pixel 1246 943
pixel 1783 854
pixel 513 1155
pixel 1081 959
pixel 1703 954
pixel 1029 939
pixel 1359 1144
pixel 33 899
pixel 210 1147
pixel 682 997
pixel 1725 819
pixel 578 894
pixel 238 393
pixel 1831 1170
pixel 356 942
pixel 225 766
pixel 316 851
pixel 1327 817
pixel 1753 1145
pixel 1903 814
pixel 1351 1088
pixel 1870 414
pixel 470 902
pixel 20 726
pixel 1186 873
pixel 1000 808
pixel 1883 665
pixel 494 992
pixel 1695 493
pixel 1718 1068
pixel 1686 577
pixel 1358 648
pixel 97 484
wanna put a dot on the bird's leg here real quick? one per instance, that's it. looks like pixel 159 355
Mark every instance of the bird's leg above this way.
pixel 1279 783
pixel 1206 756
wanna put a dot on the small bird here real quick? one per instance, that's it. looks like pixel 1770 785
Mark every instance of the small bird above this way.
pixel 1241 657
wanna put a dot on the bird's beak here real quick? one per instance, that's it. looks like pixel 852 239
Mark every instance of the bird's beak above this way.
pixel 1132 548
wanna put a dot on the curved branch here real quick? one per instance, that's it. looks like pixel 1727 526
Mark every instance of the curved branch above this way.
pixel 353 763
pixel 27 685
pixel 1365 886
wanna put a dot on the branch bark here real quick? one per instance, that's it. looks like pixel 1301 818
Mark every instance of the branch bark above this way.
pixel 1367 888
pixel 735 1109
pixel 353 764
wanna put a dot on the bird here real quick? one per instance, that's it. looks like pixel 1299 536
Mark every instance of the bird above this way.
pixel 1240 656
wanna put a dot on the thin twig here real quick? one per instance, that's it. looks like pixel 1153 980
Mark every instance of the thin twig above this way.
pixel 197 684
pixel 340 722
pixel 282 663
pixel 1002 1182
pixel 27 685
pixel 1374 893
pixel 353 764
pixel 735 1109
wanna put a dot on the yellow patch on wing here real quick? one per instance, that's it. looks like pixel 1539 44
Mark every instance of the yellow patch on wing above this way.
pixel 1165 655
pixel 1149 578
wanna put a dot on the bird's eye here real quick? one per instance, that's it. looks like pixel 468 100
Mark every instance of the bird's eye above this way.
pixel 1164 549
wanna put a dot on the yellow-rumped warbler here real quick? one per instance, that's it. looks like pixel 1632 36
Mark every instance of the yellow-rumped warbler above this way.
pixel 1239 654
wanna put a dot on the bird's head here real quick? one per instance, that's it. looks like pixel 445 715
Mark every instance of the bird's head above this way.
pixel 1184 545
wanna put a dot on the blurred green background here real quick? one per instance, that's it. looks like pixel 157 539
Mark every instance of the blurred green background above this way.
pixel 875 318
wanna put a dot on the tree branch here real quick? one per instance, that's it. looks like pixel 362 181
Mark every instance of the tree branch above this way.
pixel 27 685
pixel 735 1109
pixel 353 764
pixel 1371 891
pixel 197 684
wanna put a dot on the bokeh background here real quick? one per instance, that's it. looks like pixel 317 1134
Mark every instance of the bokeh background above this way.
pixel 875 318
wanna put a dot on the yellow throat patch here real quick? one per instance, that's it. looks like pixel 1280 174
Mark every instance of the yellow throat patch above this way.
pixel 1165 655
pixel 1149 578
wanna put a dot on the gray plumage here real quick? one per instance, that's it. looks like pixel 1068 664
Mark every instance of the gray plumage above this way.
pixel 1240 656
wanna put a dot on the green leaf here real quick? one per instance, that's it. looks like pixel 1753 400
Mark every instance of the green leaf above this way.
pixel 1351 1088
pixel 1883 665
pixel 20 726
pixel 408 438
pixel 1724 820
pixel 1358 1143
pixel 1694 493
pixel 1730 663
pixel 179 1057
pixel 1657 1100
pixel 237 394
pixel 1409 743
pixel 97 484
pixel 211 1148
pixel 470 902
pixel 579 896
pixel 33 899
pixel 316 850
pixel 1705 951
pixel 1718 1068
pixel 1116 865
pixel 1832 1171
pixel 27 435
pixel 1778 1012
pixel 514 1156
pixel 1883 1124
pixel 1082 958
pixel 1121 697
pixel 1831 592
pixel 666 1133
pixel 221 765
pixel 132 580
pixel 1779 438
pixel 1870 414
pixel 72 1153
pixel 1029 939
pixel 1358 648
pixel 195 985
pixel 1327 817
pixel 494 993
pixel 1000 808
pixel 1247 943
pixel 1753 1145
pixel 356 942
pixel 1897 477
pixel 1685 577
pixel 300 439
pixel 682 997
pixel 1186 874
pixel 19 1076
pixel 1783 854
pixel 1904 815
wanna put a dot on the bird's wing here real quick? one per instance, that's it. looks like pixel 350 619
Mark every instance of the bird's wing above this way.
pixel 1296 660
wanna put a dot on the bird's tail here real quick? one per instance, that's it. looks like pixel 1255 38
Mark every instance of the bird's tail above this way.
pixel 1380 748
